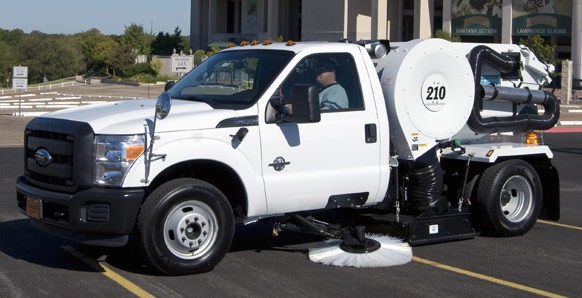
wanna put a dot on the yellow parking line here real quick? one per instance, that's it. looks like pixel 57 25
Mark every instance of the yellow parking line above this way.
pixel 486 277
pixel 559 224
pixel 105 270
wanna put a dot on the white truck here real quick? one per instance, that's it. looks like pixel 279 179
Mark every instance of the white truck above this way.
pixel 439 140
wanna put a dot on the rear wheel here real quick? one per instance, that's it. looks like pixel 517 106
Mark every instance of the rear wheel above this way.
pixel 509 198
pixel 186 226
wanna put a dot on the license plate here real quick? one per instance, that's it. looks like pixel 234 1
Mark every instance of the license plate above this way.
pixel 34 207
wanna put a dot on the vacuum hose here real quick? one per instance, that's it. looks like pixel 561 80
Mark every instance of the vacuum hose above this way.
pixel 426 184
pixel 515 123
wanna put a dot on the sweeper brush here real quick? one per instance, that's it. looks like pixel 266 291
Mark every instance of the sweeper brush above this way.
pixel 377 251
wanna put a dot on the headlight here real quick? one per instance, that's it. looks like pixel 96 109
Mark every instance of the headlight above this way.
pixel 114 155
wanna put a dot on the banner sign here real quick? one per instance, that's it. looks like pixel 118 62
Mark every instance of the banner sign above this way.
pixel 476 17
pixel 542 17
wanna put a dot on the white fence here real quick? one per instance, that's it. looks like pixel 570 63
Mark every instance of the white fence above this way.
pixel 46 86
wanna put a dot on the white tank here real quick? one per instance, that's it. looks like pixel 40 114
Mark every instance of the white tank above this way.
pixel 429 88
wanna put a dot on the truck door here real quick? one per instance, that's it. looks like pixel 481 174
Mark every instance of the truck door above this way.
pixel 334 162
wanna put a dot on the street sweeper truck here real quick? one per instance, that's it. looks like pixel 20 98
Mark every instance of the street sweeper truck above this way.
pixel 433 140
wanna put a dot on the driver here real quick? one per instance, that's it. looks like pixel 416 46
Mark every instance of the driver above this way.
pixel 332 95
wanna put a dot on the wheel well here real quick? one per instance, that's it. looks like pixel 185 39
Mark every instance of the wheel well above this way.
pixel 218 174
pixel 548 174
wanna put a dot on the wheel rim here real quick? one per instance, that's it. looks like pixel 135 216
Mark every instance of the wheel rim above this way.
pixel 516 199
pixel 190 229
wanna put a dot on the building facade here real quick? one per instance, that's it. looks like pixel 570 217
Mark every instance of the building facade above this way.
pixel 495 21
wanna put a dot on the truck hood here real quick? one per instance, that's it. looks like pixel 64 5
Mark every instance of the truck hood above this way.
pixel 129 117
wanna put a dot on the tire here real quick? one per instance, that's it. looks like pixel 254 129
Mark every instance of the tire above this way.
pixel 509 199
pixel 185 226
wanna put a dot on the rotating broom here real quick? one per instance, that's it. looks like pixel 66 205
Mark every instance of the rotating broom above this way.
pixel 361 250
pixel 348 246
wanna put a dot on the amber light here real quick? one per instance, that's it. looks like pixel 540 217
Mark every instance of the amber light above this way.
pixel 133 152
pixel 532 138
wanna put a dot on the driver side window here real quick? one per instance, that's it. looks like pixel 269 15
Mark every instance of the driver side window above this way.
pixel 336 77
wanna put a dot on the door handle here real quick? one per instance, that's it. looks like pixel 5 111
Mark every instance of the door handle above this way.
pixel 371 133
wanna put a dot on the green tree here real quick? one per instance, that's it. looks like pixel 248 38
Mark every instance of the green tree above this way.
pixel 7 61
pixel 49 56
pixel 165 44
pixel 136 38
pixel 93 55
pixel 544 51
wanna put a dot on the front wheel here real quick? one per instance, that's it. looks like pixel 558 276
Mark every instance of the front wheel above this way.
pixel 186 226
pixel 509 198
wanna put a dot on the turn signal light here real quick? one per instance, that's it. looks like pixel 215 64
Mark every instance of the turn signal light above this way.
pixel 133 152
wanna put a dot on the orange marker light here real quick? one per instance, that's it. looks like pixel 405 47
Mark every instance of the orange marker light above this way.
pixel 532 138
pixel 133 152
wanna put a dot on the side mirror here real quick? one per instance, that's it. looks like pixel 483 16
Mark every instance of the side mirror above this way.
pixel 163 105
pixel 302 107
pixel 169 85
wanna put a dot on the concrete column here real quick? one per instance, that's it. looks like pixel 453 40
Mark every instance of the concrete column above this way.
pixel 346 33
pixel 576 40
pixel 566 83
pixel 447 10
pixel 273 19
pixel 506 22
pixel 195 25
pixel 212 19
pixel 379 15
pixel 422 19
pixel 395 20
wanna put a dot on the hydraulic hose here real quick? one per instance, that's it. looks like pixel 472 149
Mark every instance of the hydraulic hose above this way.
pixel 514 123
pixel 426 184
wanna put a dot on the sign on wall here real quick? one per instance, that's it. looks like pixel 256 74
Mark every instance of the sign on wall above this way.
pixel 182 64
pixel 542 17
pixel 471 17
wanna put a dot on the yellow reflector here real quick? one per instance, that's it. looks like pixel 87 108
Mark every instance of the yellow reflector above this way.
pixel 267 42
pixel 489 153
pixel 290 43
pixel 531 138
pixel 244 43
pixel 230 45
pixel 254 42
pixel 133 152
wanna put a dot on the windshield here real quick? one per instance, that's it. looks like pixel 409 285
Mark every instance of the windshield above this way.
pixel 232 79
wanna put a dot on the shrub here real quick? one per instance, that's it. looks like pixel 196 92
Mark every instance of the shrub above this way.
pixel 140 68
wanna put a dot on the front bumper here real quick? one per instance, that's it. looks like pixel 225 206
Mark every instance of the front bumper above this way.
pixel 98 216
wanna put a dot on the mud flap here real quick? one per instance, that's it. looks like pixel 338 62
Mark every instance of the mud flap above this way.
pixel 429 228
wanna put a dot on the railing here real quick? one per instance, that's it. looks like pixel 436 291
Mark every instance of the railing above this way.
pixel 44 86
